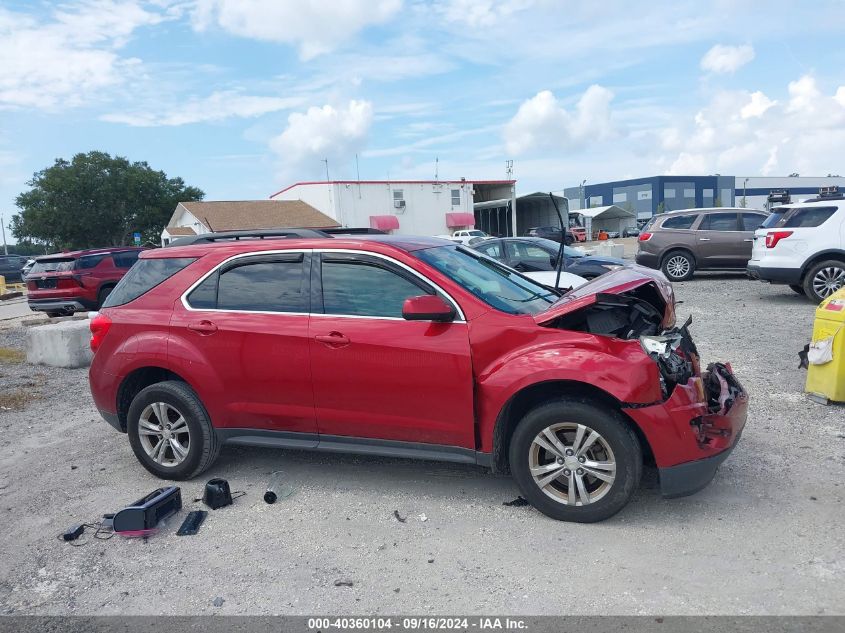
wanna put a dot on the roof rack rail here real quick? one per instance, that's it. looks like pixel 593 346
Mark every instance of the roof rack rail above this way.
pixel 262 234
pixel 353 231
pixel 828 193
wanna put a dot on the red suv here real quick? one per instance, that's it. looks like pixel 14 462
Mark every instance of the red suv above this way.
pixel 76 281
pixel 410 347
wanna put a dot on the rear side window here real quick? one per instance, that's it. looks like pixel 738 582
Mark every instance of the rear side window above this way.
pixel 125 259
pixel 90 261
pixel 809 217
pixel 718 222
pixel 54 265
pixel 751 221
pixel 679 222
pixel 144 277
pixel 255 285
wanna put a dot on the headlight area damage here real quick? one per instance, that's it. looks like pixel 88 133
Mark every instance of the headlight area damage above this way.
pixel 701 414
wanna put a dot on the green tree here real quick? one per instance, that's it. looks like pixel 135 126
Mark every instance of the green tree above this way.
pixel 97 200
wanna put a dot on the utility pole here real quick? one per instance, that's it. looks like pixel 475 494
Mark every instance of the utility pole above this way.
pixel 436 169
pixel 583 201
pixel 3 226
pixel 512 229
pixel 326 161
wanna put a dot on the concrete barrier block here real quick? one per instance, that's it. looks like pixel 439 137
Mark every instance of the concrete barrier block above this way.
pixel 64 344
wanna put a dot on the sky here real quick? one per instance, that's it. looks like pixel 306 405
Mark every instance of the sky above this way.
pixel 243 97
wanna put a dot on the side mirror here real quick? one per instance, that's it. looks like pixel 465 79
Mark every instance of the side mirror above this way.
pixel 427 308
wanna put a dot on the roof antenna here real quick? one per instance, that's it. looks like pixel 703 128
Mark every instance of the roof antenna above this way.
pixel 326 161
pixel 560 254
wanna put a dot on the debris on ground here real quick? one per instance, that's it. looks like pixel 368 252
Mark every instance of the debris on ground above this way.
pixel 399 517
pixel 518 502
pixel 423 518
pixel 343 583
pixel 218 601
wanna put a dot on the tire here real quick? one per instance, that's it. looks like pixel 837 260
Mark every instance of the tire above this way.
pixel 678 266
pixel 178 401
pixel 103 295
pixel 616 444
pixel 797 288
pixel 823 279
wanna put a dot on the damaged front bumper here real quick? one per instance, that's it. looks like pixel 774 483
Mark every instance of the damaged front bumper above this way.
pixel 695 429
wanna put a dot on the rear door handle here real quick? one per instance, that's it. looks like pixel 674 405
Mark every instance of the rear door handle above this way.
pixel 332 339
pixel 204 327
pixel 703 239
pixel 748 240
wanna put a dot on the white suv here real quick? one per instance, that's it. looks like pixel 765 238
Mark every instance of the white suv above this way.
pixel 803 245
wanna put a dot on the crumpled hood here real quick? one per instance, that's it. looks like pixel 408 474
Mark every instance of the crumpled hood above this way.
pixel 617 282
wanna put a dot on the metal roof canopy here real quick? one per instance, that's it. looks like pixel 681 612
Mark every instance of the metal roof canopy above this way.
pixel 611 212
pixel 492 204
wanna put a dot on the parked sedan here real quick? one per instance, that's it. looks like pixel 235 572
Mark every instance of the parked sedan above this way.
pixel 10 267
pixel 552 233
pixel 527 254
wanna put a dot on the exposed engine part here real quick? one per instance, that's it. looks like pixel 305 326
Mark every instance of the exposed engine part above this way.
pixel 717 377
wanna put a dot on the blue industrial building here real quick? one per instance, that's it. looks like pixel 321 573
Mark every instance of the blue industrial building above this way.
pixel 658 194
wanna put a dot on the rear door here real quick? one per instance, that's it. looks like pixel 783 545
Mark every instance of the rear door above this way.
pixel 376 375
pixel 247 324
pixel 719 241
pixel 749 222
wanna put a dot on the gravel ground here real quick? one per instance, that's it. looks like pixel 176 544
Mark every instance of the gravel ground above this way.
pixel 765 537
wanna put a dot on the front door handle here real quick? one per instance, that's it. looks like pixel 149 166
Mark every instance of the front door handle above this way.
pixel 203 328
pixel 703 239
pixel 748 240
pixel 332 339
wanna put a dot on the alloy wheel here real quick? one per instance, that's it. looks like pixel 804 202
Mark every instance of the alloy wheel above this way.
pixel 678 266
pixel 164 434
pixel 572 464
pixel 828 280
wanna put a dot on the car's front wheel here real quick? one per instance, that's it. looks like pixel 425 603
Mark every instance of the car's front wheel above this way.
pixel 575 460
pixel 823 279
pixel 170 431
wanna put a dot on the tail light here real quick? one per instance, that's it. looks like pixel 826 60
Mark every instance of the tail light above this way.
pixel 100 325
pixel 645 237
pixel 773 237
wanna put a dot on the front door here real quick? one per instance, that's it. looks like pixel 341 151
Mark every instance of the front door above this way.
pixel 246 327
pixel 377 375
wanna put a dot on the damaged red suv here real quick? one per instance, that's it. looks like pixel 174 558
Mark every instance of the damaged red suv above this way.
pixel 410 347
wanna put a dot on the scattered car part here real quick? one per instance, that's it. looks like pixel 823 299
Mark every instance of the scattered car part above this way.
pixel 143 516
pixel 217 493
pixel 399 517
pixel 191 524
pixel 277 489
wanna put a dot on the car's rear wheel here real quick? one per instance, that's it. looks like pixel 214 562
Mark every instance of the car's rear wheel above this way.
pixel 823 279
pixel 575 460
pixel 678 266
pixel 797 288
pixel 103 295
pixel 170 431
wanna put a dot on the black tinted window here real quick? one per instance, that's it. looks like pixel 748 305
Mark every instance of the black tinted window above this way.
pixel 718 222
pixel 267 286
pixel 491 250
pixel 90 261
pixel 125 259
pixel 363 289
pixel 144 277
pixel 751 221
pixel 809 217
pixel 679 222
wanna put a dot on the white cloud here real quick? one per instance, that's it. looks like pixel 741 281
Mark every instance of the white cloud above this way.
pixel 67 59
pixel 216 107
pixel 757 106
pixel 543 123
pixel 329 132
pixel 727 59
pixel 315 26
pixel 749 132
pixel 480 13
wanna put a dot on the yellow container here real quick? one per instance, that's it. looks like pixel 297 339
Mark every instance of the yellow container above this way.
pixel 826 382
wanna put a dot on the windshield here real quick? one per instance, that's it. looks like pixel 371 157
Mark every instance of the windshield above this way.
pixel 55 265
pixel 554 247
pixel 476 233
pixel 496 285
pixel 775 217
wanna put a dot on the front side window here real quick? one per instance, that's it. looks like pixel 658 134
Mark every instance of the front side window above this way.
pixel 752 221
pixel 809 217
pixel 496 285
pixel 677 222
pixel 718 222
pixel 254 285
pixel 361 287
